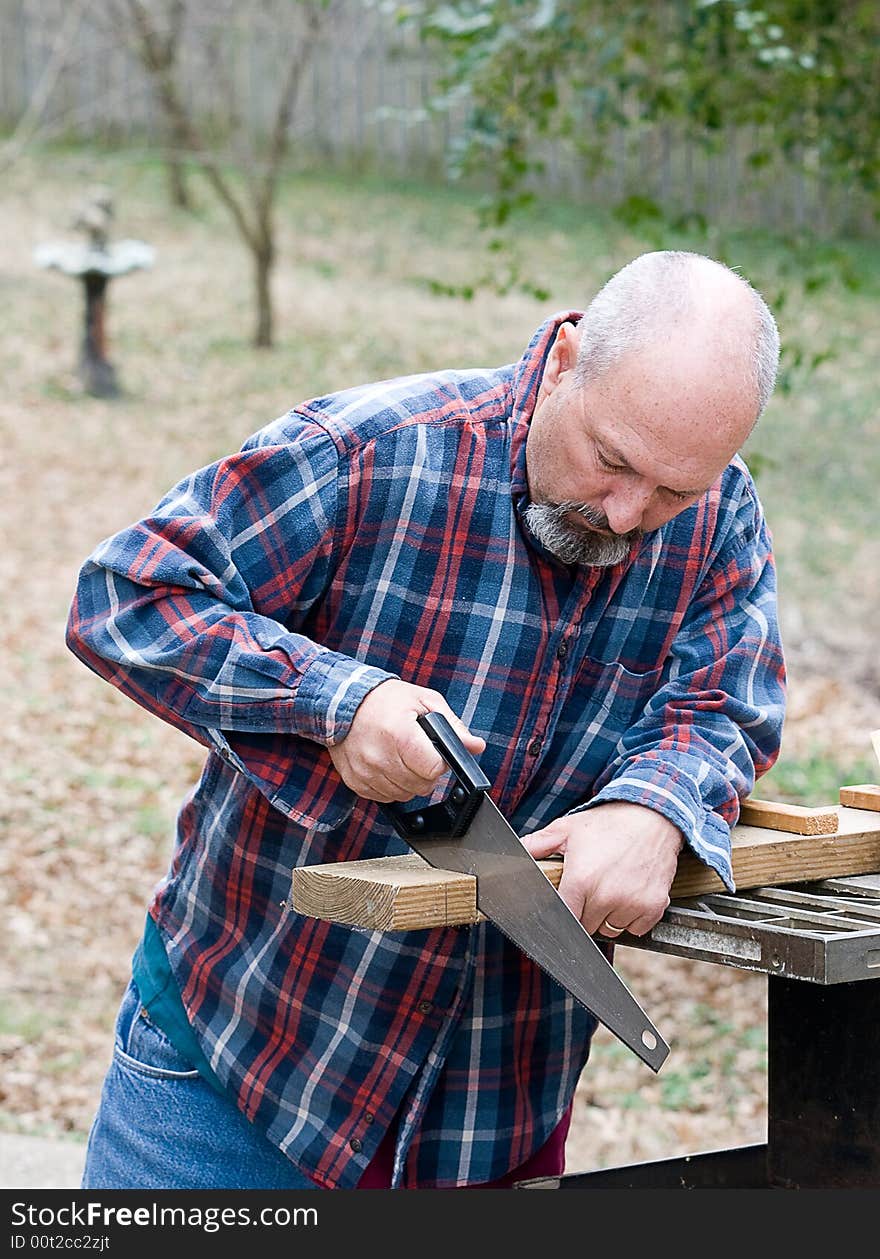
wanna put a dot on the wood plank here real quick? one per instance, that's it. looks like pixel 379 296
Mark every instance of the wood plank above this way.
pixel 788 817
pixel 386 894
pixel 765 857
pixel 864 796
pixel 406 894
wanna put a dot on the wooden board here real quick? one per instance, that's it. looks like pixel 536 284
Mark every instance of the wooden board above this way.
pixel 865 796
pixel 788 817
pixel 406 894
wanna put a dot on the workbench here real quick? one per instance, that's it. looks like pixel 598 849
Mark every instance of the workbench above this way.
pixel 807 915
pixel 819 945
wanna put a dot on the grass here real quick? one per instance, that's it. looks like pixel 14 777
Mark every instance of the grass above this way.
pixel 91 784
pixel 24 1020
pixel 814 779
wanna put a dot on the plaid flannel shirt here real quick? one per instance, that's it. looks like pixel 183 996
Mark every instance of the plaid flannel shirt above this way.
pixel 377 533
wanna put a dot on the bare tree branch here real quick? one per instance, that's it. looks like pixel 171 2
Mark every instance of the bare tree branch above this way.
pixel 29 123
pixel 280 138
pixel 155 32
pixel 182 124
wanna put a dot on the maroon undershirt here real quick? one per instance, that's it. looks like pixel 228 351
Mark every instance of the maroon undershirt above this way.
pixel 548 1161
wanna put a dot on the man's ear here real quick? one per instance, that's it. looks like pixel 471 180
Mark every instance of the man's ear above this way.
pixel 562 356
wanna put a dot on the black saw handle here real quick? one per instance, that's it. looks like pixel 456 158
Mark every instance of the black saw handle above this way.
pixel 449 818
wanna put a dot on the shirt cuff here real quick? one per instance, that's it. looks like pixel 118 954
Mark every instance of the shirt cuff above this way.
pixel 677 797
pixel 329 693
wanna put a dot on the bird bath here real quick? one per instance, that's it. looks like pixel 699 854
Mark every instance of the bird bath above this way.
pixel 95 262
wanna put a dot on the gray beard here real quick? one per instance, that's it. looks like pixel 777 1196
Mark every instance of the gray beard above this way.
pixel 574 546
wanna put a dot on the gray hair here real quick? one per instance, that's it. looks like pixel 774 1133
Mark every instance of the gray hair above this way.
pixel 658 289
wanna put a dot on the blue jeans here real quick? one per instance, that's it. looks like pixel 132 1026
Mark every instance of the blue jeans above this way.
pixel 160 1125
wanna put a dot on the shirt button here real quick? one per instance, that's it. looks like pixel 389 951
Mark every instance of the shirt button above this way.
pixel 369 1117
pixel 355 1145
pixel 425 1007
pixel 562 650
pixel 534 747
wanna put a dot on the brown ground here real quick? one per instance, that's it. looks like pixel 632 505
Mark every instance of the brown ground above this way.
pixel 89 784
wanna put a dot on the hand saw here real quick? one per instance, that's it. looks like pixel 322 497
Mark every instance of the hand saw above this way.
pixel 466 832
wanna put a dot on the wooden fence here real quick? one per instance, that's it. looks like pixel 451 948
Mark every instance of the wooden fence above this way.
pixel 365 102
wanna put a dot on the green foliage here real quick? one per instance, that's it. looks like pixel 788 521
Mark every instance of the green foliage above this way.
pixel 792 78
pixel 677 1090
pixel 19 1019
pixel 758 462
pixel 801 76
pixel 813 780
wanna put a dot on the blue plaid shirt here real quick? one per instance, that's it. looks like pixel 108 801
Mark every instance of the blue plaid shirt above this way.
pixel 378 533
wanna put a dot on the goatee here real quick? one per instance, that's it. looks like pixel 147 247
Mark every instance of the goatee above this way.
pixel 548 523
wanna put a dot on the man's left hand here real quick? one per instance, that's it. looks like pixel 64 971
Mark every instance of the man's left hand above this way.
pixel 620 860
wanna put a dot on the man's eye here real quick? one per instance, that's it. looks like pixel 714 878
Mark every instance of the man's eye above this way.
pixel 607 464
pixel 679 497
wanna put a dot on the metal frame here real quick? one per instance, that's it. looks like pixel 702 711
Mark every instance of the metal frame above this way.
pixel 826 932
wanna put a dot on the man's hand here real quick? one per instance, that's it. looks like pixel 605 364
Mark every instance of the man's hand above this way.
pixel 386 755
pixel 620 860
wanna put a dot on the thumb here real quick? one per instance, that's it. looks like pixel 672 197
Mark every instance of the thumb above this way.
pixel 472 742
pixel 544 843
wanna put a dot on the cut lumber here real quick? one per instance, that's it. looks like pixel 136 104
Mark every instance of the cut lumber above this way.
pixel 864 796
pixel 386 893
pixel 406 894
pixel 788 817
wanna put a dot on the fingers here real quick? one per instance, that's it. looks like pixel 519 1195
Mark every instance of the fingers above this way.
pixel 383 777
pixel 610 922
pixel 609 930
pixel 610 911
pixel 620 861
pixel 643 923
pixel 607 919
pixel 474 743
pixel 418 755
pixel 386 756
pixel 635 918
pixel 545 842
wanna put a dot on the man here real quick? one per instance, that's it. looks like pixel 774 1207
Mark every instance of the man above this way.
pixel 565 558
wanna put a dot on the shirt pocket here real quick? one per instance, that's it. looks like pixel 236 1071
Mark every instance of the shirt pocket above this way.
pixel 310 792
pixel 607 700
pixel 313 796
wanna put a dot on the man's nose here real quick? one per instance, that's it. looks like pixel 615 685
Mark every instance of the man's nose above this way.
pixel 625 506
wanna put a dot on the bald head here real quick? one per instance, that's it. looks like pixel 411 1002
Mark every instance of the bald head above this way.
pixel 682 308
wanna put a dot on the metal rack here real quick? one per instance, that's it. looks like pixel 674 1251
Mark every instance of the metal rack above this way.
pixel 827 932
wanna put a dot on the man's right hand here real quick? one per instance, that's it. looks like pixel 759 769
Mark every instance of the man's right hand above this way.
pixel 386 755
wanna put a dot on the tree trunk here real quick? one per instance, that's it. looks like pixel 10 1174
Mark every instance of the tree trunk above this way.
pixel 263 259
pixel 178 188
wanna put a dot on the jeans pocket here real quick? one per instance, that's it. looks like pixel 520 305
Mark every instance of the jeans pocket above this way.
pixel 143 1048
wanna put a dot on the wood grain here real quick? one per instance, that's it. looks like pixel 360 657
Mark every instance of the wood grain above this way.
pixel 406 894
pixel 864 796
pixel 793 818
